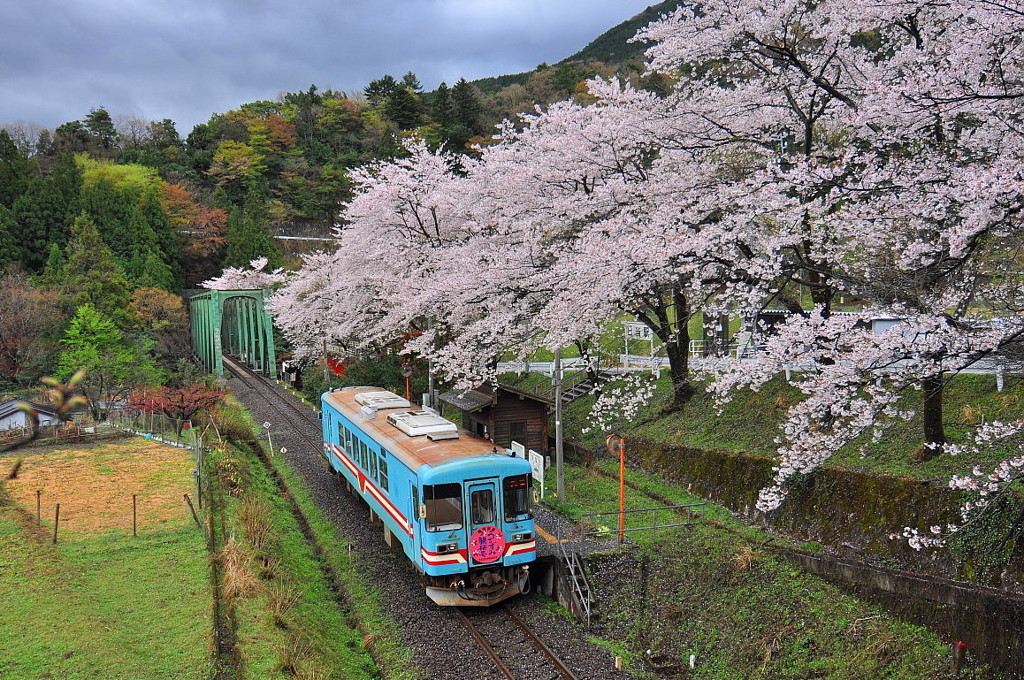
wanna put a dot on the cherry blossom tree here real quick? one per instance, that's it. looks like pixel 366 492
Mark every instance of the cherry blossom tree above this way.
pixel 904 193
pixel 254 277
pixel 869 149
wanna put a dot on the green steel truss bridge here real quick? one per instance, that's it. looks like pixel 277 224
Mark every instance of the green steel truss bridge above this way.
pixel 233 322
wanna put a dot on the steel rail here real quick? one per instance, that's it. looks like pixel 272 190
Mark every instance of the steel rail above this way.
pixel 259 385
pixel 482 641
pixel 559 665
pixel 532 639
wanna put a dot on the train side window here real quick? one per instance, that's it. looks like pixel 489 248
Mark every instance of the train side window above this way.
pixel 481 505
pixel 444 506
pixel 341 438
pixel 383 474
pixel 361 448
pixel 372 459
pixel 517 498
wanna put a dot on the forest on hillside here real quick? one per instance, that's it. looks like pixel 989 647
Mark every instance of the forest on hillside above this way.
pixel 176 208
pixel 106 220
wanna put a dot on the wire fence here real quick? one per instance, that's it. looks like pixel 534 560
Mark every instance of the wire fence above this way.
pixel 55 434
pixel 156 426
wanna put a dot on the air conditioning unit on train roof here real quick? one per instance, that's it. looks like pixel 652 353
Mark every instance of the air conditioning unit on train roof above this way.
pixel 382 399
pixel 417 423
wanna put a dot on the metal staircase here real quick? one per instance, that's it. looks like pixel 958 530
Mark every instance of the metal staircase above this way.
pixel 581 594
pixel 576 385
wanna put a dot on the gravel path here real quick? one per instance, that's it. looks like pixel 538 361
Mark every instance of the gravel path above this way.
pixel 443 649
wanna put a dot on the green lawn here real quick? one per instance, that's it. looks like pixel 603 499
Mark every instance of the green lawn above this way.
pixel 107 606
pixel 750 424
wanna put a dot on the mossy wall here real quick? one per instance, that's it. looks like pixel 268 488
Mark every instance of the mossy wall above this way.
pixel 854 514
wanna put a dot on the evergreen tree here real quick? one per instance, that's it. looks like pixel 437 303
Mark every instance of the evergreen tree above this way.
pixel 102 133
pixel 403 108
pixel 146 269
pixel 10 253
pixel 410 81
pixel 72 137
pixel 16 171
pixel 65 186
pixel 112 211
pixel 167 245
pixel 92 276
pixel 53 272
pixel 467 119
pixel 247 238
pixel 221 201
pixel 44 213
pixel 113 364
pixel 380 89
pixel 441 106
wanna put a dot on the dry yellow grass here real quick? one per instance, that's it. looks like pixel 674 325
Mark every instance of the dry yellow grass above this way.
pixel 94 485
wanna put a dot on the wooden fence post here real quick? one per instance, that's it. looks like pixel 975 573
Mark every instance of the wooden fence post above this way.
pixel 193 509
pixel 56 522
pixel 134 516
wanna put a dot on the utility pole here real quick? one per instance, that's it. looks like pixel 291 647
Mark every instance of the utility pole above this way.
pixel 431 388
pixel 325 359
pixel 559 453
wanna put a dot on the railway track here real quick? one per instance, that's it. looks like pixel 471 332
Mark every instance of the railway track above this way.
pixel 516 650
pixel 287 409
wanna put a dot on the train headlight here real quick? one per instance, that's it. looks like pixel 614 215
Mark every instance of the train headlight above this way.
pixel 445 548
pixel 522 537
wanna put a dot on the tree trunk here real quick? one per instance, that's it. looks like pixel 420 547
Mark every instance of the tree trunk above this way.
pixel 931 411
pixel 674 333
pixel 679 368
pixel 677 347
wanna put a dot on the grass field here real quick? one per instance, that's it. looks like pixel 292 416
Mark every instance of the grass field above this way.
pixel 742 611
pixel 102 603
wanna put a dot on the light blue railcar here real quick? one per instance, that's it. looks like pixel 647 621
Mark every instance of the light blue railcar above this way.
pixel 458 506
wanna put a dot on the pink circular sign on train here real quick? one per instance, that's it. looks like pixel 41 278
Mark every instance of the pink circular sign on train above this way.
pixel 487 544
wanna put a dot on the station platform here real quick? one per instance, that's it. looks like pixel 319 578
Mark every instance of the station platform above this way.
pixel 557 535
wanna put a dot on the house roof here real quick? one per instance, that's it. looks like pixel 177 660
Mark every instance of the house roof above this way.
pixel 10 407
pixel 470 400
pixel 483 395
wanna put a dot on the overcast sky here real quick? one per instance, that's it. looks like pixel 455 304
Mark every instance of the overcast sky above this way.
pixel 188 59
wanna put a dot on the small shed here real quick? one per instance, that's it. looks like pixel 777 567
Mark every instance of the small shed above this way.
pixel 503 414
pixel 13 418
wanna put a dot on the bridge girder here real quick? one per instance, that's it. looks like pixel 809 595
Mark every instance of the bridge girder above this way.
pixel 235 322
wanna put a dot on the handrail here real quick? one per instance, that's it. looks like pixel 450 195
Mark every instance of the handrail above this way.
pixel 576 574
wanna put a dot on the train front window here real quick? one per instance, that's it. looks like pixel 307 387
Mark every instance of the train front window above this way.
pixel 444 506
pixel 482 506
pixel 517 498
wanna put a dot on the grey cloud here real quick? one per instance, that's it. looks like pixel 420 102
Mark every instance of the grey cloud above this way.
pixel 187 59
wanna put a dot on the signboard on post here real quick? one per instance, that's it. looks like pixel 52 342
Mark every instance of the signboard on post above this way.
pixel 519 450
pixel 637 331
pixel 634 330
pixel 537 463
